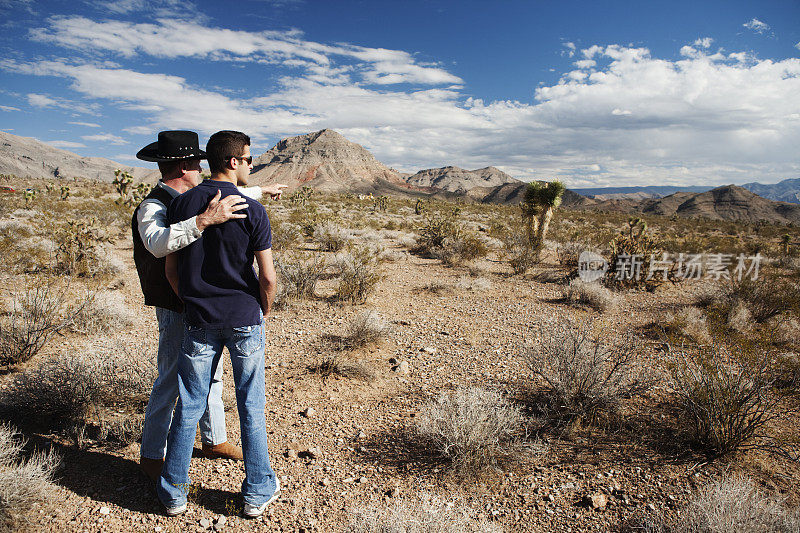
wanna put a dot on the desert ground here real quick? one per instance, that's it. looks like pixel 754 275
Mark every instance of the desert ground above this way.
pixel 420 402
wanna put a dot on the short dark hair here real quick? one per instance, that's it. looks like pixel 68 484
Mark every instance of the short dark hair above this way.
pixel 222 146
pixel 167 168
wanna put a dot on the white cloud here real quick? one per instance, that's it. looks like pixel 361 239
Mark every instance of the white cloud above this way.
pixel 8 108
pixel 107 138
pixel 167 39
pixel 757 26
pixel 85 124
pixel 797 46
pixel 704 42
pixel 570 49
pixel 46 101
pixel 65 144
pixel 585 63
pixel 633 118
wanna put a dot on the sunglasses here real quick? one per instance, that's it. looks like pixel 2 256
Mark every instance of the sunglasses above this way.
pixel 249 159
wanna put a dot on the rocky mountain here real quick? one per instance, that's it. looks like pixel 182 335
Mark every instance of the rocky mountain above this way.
pixel 24 156
pixel 723 203
pixel 326 161
pixel 784 191
pixel 458 180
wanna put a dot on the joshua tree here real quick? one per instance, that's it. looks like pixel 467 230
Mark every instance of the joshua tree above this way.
pixel 785 241
pixel 541 200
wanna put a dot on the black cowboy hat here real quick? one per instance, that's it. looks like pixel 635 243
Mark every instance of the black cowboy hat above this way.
pixel 172 146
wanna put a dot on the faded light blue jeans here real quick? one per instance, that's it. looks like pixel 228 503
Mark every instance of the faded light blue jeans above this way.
pixel 158 415
pixel 201 357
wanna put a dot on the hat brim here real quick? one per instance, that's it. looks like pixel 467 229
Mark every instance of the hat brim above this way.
pixel 150 153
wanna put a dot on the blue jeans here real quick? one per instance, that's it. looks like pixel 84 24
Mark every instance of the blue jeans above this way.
pixel 158 415
pixel 201 356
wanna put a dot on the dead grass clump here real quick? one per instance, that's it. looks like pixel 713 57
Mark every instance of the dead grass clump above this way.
pixel 728 399
pixel 473 428
pixel 330 236
pixel 359 274
pixel 298 274
pixel 591 294
pixel 728 505
pixel 342 364
pixel 102 311
pixel 428 515
pixel 368 327
pixel 582 374
pixel 24 483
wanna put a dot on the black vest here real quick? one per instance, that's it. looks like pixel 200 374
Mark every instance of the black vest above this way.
pixel 157 290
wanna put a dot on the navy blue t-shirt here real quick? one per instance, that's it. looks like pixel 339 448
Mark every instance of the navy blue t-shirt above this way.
pixel 217 282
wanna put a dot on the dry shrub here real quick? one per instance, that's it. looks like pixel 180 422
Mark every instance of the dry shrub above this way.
pixel 368 327
pixel 519 253
pixel 582 374
pixel 727 398
pixel 73 388
pixel 36 314
pixel 427 515
pixel 359 273
pixel 102 311
pixel 473 428
pixel 444 238
pixel 569 252
pixel 590 294
pixel 286 235
pixel 330 236
pixel 298 274
pixel 732 504
pixel 689 322
pixel 122 430
pixel 24 483
pixel 761 299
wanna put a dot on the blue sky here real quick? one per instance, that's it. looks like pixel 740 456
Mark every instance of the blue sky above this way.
pixel 593 93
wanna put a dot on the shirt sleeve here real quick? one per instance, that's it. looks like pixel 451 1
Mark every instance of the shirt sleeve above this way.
pixel 262 231
pixel 159 237
pixel 253 192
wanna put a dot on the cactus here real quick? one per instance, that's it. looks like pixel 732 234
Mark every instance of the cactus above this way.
pixel 381 203
pixel 785 242
pixel 419 207
pixel 30 196
pixel 64 192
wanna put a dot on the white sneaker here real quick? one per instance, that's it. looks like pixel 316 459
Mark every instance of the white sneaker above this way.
pixel 254 511
pixel 175 511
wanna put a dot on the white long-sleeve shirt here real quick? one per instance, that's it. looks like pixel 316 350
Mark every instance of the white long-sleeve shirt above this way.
pixel 160 238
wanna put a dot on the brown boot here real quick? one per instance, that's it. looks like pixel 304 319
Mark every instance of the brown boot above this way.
pixel 151 467
pixel 223 450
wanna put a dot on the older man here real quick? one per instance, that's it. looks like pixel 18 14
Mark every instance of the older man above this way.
pixel 178 156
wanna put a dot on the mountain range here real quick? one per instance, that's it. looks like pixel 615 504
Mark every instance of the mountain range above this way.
pixel 326 161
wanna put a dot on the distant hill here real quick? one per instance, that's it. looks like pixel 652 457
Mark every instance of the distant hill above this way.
pixel 729 202
pixel 514 193
pixel 455 179
pixel 638 193
pixel 325 160
pixel 784 191
pixel 24 156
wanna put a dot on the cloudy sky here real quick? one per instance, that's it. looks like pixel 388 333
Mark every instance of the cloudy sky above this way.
pixel 595 93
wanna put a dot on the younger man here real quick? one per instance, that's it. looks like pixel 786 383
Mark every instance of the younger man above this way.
pixel 225 305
